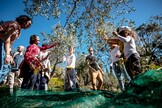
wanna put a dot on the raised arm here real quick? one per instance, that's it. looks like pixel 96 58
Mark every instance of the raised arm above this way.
pixel 121 38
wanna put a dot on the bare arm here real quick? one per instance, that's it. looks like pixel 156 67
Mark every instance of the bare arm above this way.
pixel 7 46
pixel 100 70
pixel 87 62
pixel 9 34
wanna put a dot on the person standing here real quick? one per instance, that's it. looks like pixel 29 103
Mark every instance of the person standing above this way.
pixel 117 62
pixel 31 66
pixel 128 37
pixel 94 70
pixel 15 71
pixel 118 66
pixel 70 74
pixel 45 74
pixel 9 32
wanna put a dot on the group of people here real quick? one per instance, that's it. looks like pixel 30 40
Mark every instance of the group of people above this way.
pixel 125 58
pixel 33 66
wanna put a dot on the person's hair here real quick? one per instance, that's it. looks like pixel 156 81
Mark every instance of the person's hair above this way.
pixel 71 47
pixel 22 48
pixel 117 30
pixel 128 33
pixel 113 45
pixel 33 39
pixel 125 31
pixel 90 48
pixel 133 34
pixel 23 19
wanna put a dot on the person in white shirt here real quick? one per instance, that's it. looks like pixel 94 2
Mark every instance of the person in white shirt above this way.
pixel 118 66
pixel 128 36
pixel 70 74
pixel 45 74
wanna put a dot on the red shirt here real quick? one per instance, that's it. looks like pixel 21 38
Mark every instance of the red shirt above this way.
pixel 33 51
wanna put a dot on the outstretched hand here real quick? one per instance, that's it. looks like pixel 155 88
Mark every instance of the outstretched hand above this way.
pixel 58 42
pixel 115 33
pixel 105 37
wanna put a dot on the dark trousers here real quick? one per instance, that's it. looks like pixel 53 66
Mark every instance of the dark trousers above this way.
pixel 34 83
pixel 133 65
pixel 70 80
pixel 43 82
pixel 30 80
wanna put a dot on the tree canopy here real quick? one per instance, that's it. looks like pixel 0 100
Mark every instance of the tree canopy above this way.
pixel 85 21
pixel 150 39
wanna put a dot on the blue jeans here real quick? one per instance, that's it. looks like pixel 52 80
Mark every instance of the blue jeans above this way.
pixel 120 71
pixel 4 68
pixel 34 83
pixel 43 83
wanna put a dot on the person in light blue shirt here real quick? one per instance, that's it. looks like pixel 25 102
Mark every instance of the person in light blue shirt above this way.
pixel 18 57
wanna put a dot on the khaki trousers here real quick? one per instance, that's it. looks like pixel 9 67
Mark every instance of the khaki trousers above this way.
pixel 96 75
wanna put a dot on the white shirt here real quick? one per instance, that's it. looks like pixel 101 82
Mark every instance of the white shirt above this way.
pixel 70 60
pixel 115 51
pixel 129 45
pixel 45 62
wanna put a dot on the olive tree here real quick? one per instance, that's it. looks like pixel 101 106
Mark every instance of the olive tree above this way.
pixel 85 22
pixel 150 40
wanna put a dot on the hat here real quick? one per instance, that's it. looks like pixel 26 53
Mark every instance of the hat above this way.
pixel 124 28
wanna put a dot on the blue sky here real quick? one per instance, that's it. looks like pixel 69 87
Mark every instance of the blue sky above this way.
pixel 10 9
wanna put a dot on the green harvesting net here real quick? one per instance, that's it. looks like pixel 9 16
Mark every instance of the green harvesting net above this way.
pixel 144 91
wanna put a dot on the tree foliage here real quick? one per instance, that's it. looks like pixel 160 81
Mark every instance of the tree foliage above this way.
pixel 150 42
pixel 85 21
pixel 65 39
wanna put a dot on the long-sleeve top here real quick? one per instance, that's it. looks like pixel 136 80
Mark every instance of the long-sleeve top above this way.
pixel 129 45
pixel 32 52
